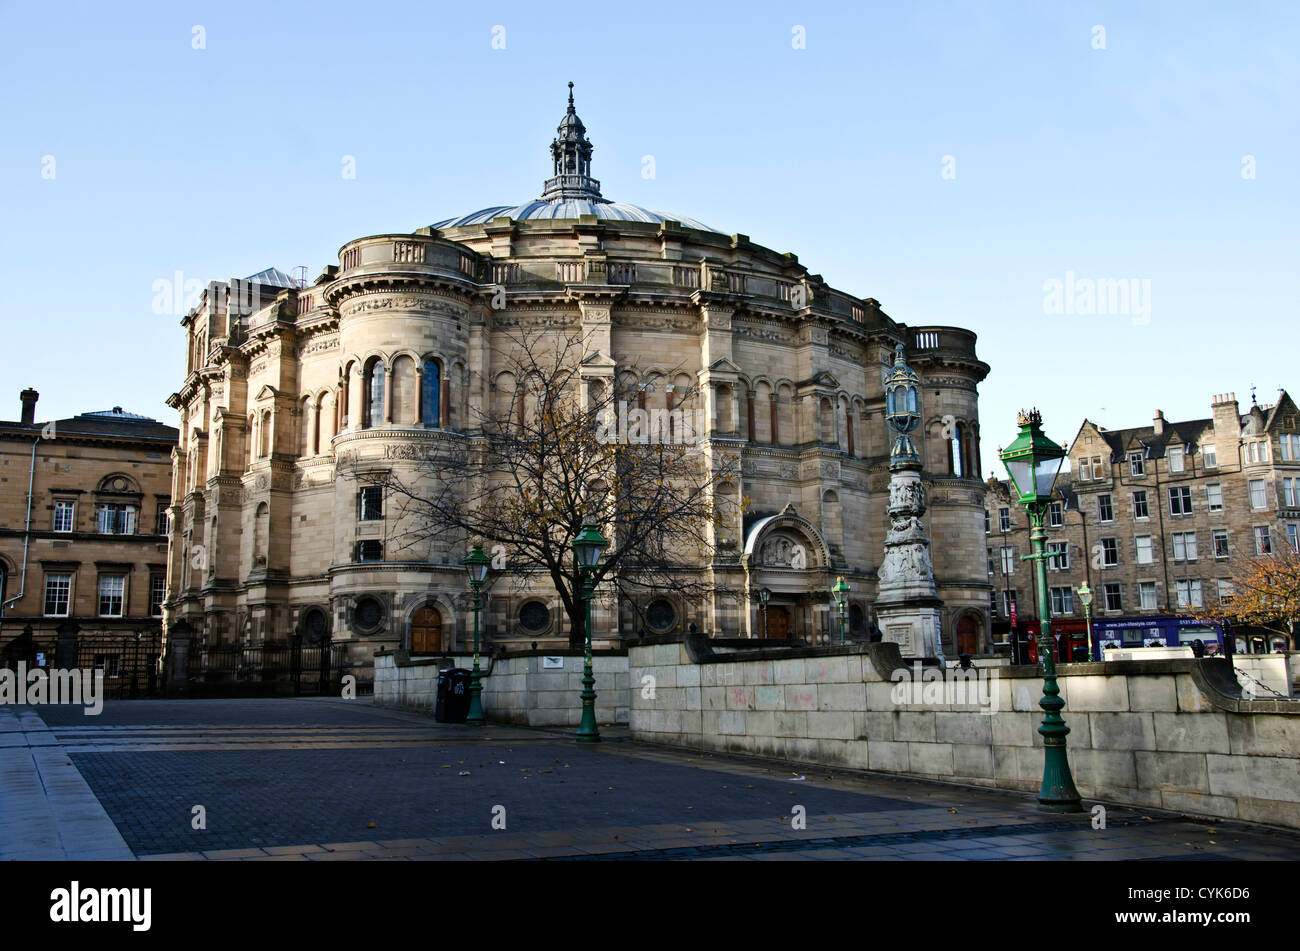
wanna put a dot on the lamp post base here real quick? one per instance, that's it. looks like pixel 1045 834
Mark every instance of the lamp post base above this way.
pixel 475 716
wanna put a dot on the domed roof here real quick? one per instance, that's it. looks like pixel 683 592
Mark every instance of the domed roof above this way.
pixel 572 208
pixel 571 191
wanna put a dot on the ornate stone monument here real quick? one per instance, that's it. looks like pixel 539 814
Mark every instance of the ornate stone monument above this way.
pixel 906 606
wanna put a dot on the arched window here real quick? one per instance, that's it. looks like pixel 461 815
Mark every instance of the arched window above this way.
pixel 266 433
pixel 261 526
pixel 375 395
pixel 430 396
pixel 955 446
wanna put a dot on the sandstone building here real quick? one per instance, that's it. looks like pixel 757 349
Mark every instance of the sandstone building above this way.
pixel 87 558
pixel 392 351
pixel 1156 518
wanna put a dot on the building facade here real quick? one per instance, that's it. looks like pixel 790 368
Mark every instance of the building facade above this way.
pixel 83 532
pixel 395 349
pixel 1156 518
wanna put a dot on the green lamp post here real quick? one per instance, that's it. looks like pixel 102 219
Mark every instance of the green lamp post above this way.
pixel 841 591
pixel 1033 461
pixel 587 548
pixel 1085 598
pixel 476 566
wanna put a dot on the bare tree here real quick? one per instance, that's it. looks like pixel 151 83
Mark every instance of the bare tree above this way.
pixel 567 448
pixel 1264 594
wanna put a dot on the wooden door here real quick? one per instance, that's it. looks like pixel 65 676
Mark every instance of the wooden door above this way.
pixel 778 623
pixel 967 636
pixel 426 631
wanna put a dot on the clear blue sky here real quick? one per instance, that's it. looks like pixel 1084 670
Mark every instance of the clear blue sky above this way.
pixel 1115 163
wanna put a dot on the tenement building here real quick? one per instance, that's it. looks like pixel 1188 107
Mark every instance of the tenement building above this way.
pixel 83 537
pixel 1155 519
pixel 397 347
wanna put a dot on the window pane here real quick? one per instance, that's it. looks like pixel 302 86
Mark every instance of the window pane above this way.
pixel 58 589
pixel 111 590
pixel 432 394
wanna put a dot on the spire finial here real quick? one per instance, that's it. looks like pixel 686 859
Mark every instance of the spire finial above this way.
pixel 571 161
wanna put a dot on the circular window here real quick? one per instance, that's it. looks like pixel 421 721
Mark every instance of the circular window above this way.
pixel 368 615
pixel 534 617
pixel 660 615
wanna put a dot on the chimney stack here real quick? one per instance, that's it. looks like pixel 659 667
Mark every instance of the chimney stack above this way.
pixel 29 398
pixel 1159 424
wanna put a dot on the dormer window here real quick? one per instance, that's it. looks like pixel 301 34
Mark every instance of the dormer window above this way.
pixel 1136 466
pixel 1177 458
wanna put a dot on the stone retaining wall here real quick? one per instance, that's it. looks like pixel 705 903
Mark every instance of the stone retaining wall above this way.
pixel 1171 734
pixel 517 687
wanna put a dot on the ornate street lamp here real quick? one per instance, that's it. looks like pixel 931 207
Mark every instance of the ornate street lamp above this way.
pixel 841 591
pixel 1033 461
pixel 764 596
pixel 587 548
pixel 1085 598
pixel 476 566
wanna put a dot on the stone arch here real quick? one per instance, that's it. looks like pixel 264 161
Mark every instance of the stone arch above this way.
pixel 455 391
pixel 374 386
pixel 404 389
pixel 261 534
pixel 724 395
pixel 314 624
pixel 504 397
pixel 788 522
pixel 763 411
pixel 325 417
pixel 266 433
pixel 967 631
pixel 118 482
pixel 433 379
pixel 847 429
pixel 416 615
pixel 306 417
pixel 785 414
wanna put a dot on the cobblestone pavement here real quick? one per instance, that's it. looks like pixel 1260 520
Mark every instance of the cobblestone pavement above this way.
pixel 326 779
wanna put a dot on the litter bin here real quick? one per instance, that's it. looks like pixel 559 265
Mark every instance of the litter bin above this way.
pixel 453 695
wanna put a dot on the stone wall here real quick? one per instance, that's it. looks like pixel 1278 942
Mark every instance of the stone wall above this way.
pixel 517 687
pixel 1168 734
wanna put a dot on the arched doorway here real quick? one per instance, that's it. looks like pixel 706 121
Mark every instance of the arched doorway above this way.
pixel 426 631
pixel 968 635
pixel 778 623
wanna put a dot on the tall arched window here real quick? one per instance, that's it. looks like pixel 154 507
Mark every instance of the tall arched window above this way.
pixel 266 433
pixel 261 531
pixel 430 401
pixel 375 395
pixel 956 445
